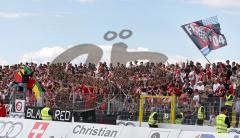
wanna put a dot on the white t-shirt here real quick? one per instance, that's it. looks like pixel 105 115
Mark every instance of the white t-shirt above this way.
pixel 191 75
pixel 215 86
pixel 196 99
pixel 198 87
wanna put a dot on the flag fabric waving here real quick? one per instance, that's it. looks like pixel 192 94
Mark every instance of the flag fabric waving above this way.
pixel 31 84
pixel 18 75
pixel 37 89
pixel 206 34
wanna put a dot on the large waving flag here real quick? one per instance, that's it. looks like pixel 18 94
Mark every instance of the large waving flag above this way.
pixel 18 75
pixel 206 34
pixel 31 84
pixel 37 89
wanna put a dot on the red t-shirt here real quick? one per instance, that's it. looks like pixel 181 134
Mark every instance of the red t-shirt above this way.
pixel 3 111
pixel 177 91
pixel 85 89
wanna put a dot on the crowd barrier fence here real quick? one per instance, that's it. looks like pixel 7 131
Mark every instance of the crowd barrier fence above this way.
pixel 22 128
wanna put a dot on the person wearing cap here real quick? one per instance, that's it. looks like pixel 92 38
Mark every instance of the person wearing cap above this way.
pixel 222 121
pixel 153 119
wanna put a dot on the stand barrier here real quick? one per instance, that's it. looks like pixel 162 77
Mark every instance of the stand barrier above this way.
pixel 26 128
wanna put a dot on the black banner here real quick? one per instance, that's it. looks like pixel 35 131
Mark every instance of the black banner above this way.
pixel 57 114
pixel 62 115
pixel 85 116
pixel 33 113
pixel 107 119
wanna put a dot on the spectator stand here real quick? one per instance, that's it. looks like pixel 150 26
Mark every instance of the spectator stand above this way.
pixel 115 90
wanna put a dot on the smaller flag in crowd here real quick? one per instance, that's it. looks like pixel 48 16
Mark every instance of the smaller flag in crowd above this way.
pixel 37 89
pixel 206 34
pixel 32 84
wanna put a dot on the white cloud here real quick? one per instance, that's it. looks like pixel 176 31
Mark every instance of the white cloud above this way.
pixel 17 15
pixel 14 15
pixel 43 55
pixel 3 61
pixel 180 59
pixel 47 54
pixel 217 3
pixel 176 59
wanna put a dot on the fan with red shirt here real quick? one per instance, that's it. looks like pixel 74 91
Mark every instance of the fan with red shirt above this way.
pixel 3 110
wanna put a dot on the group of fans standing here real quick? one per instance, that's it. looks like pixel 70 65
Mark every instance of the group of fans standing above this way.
pixel 228 93
pixel 185 80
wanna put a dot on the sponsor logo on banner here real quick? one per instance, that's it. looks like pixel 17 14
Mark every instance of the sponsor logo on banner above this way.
pixel 159 134
pixel 10 129
pixel 234 131
pixel 214 136
pixel 155 135
pixel 19 106
pixel 38 130
pixel 126 123
pixel 89 131
pixel 205 136
pixel 17 115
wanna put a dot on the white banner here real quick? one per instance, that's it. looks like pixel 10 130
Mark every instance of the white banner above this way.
pixel 194 134
pixel 169 126
pixel 49 129
pixel 26 128
pixel 83 130
pixel 143 132
pixel 14 128
pixel 19 106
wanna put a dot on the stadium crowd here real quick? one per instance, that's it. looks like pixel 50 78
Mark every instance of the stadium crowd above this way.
pixel 67 84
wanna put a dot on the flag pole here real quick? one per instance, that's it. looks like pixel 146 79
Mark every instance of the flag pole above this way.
pixel 207 60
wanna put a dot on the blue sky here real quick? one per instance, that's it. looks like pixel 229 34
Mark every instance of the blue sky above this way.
pixel 38 30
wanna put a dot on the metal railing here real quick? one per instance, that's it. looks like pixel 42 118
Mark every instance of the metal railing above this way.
pixel 189 108
pixel 125 107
